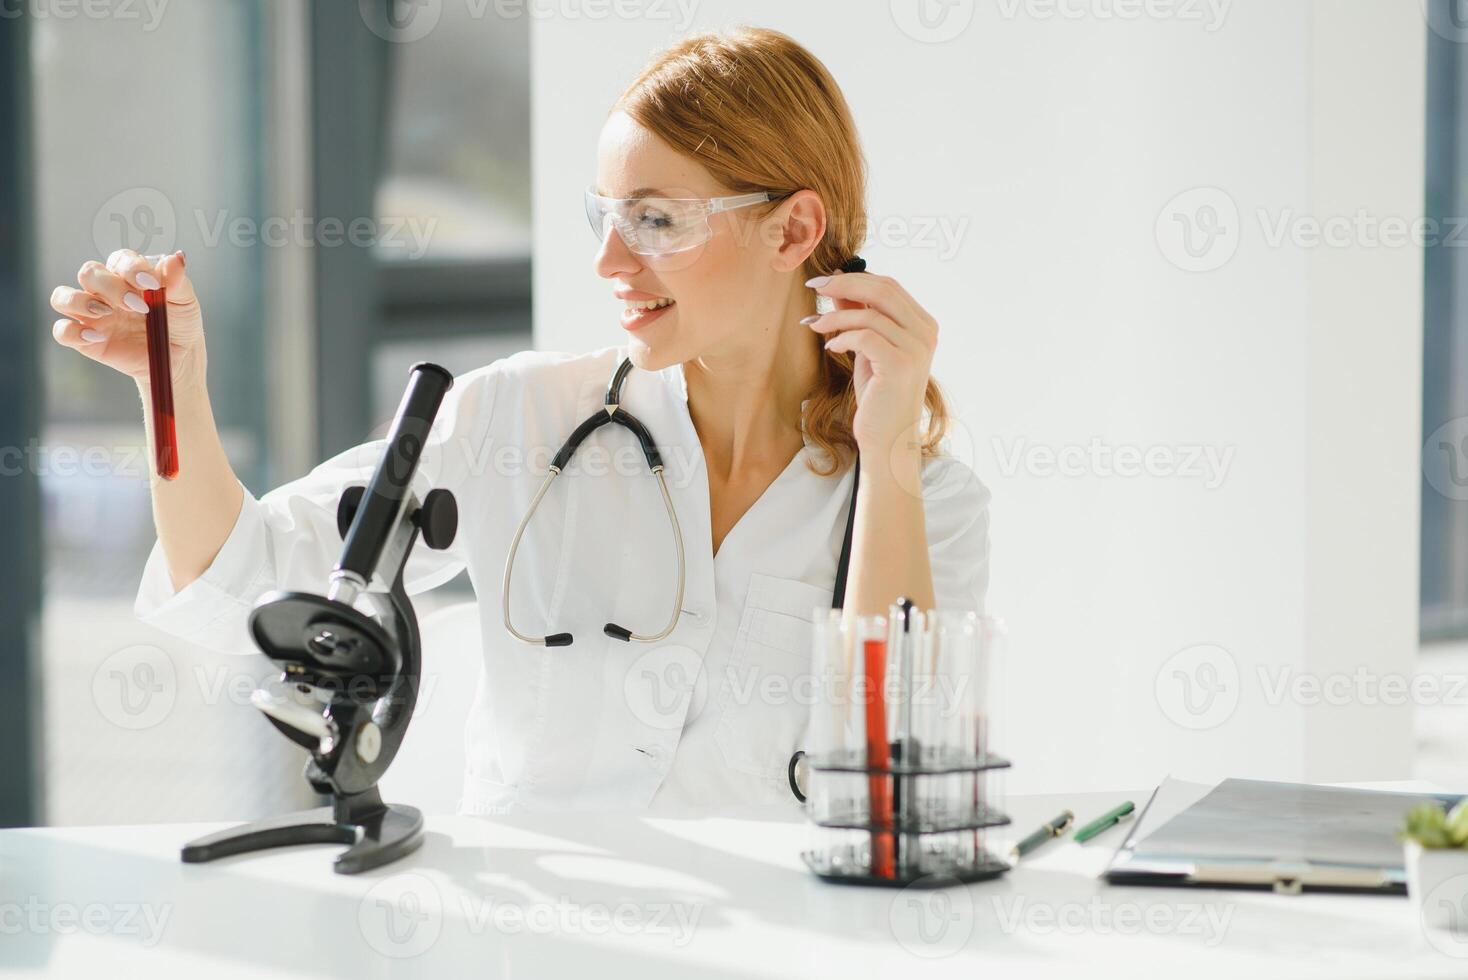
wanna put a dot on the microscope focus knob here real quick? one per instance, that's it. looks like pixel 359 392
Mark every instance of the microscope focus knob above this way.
pixel 438 519
pixel 346 508
pixel 369 743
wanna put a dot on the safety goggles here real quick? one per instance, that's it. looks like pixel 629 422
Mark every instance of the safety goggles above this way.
pixel 661 225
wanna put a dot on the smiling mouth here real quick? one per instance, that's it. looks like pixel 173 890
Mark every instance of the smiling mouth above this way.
pixel 639 313
pixel 634 306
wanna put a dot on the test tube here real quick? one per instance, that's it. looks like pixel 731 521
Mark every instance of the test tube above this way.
pixel 872 636
pixel 904 619
pixel 990 653
pixel 937 690
pixel 955 642
pixel 854 742
pixel 160 381
pixel 948 709
pixel 932 711
pixel 833 661
pixel 829 796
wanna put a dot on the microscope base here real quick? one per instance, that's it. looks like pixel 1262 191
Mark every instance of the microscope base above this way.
pixel 379 833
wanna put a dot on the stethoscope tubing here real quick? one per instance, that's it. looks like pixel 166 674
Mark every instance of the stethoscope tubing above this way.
pixel 611 413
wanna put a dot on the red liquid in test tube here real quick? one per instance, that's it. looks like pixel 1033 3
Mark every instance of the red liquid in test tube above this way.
pixel 160 376
pixel 879 756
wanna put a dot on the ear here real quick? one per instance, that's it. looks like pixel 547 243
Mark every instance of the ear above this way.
pixel 801 223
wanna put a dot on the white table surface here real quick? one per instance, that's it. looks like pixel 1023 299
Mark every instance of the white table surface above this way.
pixel 575 895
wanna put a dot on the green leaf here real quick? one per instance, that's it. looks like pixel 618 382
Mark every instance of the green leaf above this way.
pixel 1457 823
pixel 1427 824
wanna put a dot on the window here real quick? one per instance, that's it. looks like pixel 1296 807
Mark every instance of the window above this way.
pixel 138 726
pixel 448 278
pixel 457 168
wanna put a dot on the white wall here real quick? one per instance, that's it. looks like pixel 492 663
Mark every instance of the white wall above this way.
pixel 1364 358
pixel 1052 146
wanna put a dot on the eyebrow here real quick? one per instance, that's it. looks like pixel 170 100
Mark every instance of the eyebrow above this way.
pixel 639 192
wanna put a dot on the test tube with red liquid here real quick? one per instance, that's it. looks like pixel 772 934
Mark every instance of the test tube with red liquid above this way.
pixel 879 757
pixel 160 377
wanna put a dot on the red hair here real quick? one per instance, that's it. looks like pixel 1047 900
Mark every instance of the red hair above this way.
pixel 761 113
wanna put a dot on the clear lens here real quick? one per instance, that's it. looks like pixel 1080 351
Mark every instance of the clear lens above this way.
pixel 651 225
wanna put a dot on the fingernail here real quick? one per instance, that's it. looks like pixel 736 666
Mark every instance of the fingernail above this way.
pixel 97 308
pixel 92 336
pixel 135 303
pixel 148 281
pixel 182 258
pixel 817 282
pixel 810 319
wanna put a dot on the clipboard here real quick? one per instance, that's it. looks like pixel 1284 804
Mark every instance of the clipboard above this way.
pixel 1288 837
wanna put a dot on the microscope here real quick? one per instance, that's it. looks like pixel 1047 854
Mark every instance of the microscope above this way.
pixel 350 675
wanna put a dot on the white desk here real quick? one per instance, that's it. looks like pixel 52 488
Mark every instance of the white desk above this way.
pixel 620 895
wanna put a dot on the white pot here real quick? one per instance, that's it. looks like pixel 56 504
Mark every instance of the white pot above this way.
pixel 1437 883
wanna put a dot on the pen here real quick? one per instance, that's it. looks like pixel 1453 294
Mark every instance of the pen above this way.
pixel 1107 820
pixel 1050 830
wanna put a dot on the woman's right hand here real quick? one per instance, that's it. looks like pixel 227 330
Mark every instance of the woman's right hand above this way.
pixel 105 317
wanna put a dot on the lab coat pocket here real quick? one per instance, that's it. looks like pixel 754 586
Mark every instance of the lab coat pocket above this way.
pixel 764 695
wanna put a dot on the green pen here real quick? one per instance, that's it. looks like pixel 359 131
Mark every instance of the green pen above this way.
pixel 1106 821
pixel 1050 830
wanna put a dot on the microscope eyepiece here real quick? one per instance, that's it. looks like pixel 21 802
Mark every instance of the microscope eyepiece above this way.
pixel 379 508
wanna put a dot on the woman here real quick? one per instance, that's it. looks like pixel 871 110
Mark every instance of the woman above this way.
pixel 730 189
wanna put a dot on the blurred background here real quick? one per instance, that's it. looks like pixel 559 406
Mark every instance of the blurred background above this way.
pixel 1198 266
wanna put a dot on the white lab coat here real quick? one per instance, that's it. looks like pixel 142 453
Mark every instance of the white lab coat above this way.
pixel 709 716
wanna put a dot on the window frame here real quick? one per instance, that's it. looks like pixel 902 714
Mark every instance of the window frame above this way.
pixel 363 299
pixel 1444 524
pixel 20 419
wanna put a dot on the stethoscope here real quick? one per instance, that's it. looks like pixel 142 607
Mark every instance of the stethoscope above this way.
pixel 612 412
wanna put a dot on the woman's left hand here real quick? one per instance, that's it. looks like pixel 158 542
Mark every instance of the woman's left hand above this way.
pixel 893 339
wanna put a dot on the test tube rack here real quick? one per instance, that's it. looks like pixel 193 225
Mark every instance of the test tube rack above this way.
pixel 927 848
pixel 903 789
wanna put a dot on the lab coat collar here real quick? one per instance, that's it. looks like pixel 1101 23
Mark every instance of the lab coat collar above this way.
pixel 678 380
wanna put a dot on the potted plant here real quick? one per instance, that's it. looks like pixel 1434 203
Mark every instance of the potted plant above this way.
pixel 1437 863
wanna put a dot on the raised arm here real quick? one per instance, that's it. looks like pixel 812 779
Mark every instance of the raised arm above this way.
pixel 105 321
pixel 893 339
